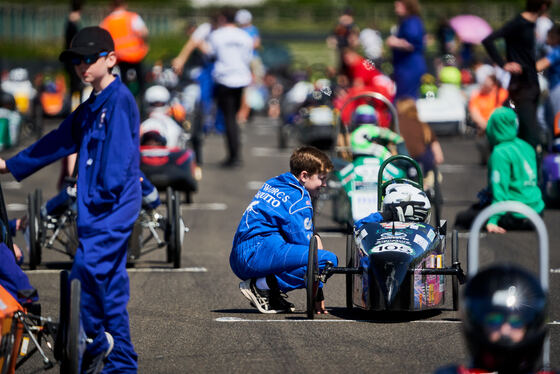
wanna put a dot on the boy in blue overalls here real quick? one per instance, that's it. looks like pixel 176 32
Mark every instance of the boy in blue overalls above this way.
pixel 271 245
pixel 104 130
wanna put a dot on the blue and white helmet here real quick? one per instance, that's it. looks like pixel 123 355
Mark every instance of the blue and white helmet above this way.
pixel 398 193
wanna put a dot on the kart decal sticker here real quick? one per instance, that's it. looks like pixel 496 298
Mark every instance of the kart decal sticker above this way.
pixel 362 234
pixel 398 225
pixel 423 243
pixel 392 247
pixel 431 235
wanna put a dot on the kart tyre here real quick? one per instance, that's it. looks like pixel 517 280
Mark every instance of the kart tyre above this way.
pixel 177 230
pixel 312 278
pixel 454 260
pixel 349 277
pixel 63 313
pixel 169 228
pixel 34 230
pixel 74 348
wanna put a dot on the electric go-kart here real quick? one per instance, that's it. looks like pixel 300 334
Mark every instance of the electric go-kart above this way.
pixel 23 331
pixel 396 266
pixel 542 233
pixel 308 115
pixel 354 188
pixel 55 228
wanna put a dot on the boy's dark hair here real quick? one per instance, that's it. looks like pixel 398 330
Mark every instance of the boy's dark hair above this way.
pixel 310 159
pixel 229 14
pixel 535 6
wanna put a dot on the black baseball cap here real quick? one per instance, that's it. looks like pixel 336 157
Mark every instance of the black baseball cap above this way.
pixel 88 41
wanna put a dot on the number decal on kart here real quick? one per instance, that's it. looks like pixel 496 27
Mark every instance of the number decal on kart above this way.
pixel 392 248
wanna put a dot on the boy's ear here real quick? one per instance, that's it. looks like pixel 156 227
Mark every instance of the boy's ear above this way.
pixel 303 176
pixel 111 59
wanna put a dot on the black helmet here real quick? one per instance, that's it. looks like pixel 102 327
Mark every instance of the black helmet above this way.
pixel 504 312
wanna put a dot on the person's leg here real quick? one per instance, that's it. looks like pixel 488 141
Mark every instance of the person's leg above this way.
pixel 100 265
pixel 229 100
pixel 526 109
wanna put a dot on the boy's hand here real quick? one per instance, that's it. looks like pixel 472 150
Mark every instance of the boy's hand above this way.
pixel 405 211
pixel 495 229
pixel 3 168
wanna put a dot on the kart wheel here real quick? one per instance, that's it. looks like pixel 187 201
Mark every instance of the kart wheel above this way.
pixel 349 277
pixel 61 334
pixel 169 228
pixel 454 260
pixel 34 230
pixel 178 230
pixel 312 278
pixel 74 348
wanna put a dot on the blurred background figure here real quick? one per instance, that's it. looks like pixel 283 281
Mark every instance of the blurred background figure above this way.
pixel 372 43
pixel 421 141
pixel 244 19
pixel 407 45
pixel 550 63
pixel 489 96
pixel 445 36
pixel 232 49
pixel 344 35
pixel 73 25
pixel 130 35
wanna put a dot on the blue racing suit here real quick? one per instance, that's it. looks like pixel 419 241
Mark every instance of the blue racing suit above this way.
pixel 274 234
pixel 105 132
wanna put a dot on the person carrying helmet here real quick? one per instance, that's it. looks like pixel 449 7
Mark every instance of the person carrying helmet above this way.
pixel 130 34
pixel 504 322
pixel 403 202
pixel 157 98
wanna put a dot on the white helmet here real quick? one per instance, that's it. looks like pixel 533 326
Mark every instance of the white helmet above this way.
pixel 18 75
pixel 157 95
pixel 398 193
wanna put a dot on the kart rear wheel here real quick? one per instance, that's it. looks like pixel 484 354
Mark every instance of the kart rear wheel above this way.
pixel 73 345
pixel 61 334
pixel 454 260
pixel 169 232
pixel 349 277
pixel 34 230
pixel 312 278
pixel 177 230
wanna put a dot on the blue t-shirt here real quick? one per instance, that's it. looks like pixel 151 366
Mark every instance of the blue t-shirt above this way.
pixel 254 34
pixel 553 72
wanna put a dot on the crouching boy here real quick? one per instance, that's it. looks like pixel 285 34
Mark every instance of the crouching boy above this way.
pixel 270 247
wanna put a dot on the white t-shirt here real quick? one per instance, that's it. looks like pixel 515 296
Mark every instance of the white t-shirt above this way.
pixel 202 32
pixel 233 49
pixel 372 43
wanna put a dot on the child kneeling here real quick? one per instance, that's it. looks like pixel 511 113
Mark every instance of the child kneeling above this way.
pixel 271 244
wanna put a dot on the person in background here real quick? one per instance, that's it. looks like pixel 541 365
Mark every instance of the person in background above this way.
pixel 519 36
pixel 512 176
pixel 344 35
pixel 71 28
pixel 232 49
pixel 551 65
pixel 244 20
pixel 482 103
pixel 407 45
pixel 130 34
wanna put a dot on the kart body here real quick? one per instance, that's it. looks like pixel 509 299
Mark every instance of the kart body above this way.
pixel 446 113
pixel 391 256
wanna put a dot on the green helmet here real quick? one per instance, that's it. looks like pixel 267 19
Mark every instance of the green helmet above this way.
pixel 450 75
pixel 363 142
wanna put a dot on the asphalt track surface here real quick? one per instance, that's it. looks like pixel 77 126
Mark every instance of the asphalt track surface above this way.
pixel 195 320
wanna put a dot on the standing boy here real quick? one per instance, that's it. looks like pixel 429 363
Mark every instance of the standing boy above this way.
pixel 270 247
pixel 104 131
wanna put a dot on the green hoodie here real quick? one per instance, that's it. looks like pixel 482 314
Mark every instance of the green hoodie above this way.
pixel 512 168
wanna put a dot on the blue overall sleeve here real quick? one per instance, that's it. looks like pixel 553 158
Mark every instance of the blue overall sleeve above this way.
pixel 51 147
pixel 372 218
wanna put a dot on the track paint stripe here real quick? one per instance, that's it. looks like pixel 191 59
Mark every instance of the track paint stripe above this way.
pixel 237 319
pixel 555 271
pixel 466 235
pixel 134 270
pixel 204 206
pixel 332 234
pixel 16 207
pixel 458 168
pixel 11 185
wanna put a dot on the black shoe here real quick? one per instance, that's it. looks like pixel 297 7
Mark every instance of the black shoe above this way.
pixel 94 365
pixel 232 163
pixel 278 301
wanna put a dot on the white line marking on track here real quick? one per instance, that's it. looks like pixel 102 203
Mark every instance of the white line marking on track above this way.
pixel 16 207
pixel 332 234
pixel 554 271
pixel 458 168
pixel 195 269
pixel 205 206
pixel 237 319
pixel 11 185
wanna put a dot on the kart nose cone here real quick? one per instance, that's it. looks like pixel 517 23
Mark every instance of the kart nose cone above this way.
pixel 390 269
